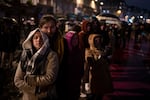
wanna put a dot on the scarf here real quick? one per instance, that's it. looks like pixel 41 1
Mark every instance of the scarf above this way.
pixel 30 57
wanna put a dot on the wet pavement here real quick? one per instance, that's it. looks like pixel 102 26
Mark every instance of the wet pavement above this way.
pixel 131 77
pixel 130 70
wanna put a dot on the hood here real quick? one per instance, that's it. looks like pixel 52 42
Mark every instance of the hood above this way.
pixel 91 40
pixel 84 25
pixel 27 44
pixel 68 37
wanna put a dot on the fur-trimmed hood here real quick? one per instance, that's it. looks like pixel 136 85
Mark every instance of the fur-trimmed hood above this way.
pixel 91 40
pixel 84 25
pixel 92 51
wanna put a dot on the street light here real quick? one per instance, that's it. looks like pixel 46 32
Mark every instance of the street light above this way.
pixel 93 5
pixel 101 3
pixel 119 12
pixel 100 7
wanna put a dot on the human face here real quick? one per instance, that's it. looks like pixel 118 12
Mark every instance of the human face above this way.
pixel 97 42
pixel 49 28
pixel 88 28
pixel 37 40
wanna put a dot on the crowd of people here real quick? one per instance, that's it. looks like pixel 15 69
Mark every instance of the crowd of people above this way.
pixel 59 64
pixel 53 64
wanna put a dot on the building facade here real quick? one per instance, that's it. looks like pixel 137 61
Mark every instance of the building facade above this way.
pixel 88 7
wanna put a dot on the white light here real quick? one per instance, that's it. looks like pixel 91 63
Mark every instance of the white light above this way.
pixel 107 11
pixel 130 20
pixel 141 16
pixel 104 11
pixel 101 3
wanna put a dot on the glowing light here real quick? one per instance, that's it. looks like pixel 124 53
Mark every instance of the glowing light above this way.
pixel 119 12
pixel 92 4
pixel 101 3
pixel 79 2
pixel 141 17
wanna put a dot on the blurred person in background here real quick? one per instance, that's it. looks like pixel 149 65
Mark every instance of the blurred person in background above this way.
pixel 61 25
pixel 86 30
pixel 97 73
pixel 75 66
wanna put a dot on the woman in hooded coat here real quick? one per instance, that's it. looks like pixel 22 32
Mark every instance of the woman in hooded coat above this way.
pixel 37 69
pixel 97 72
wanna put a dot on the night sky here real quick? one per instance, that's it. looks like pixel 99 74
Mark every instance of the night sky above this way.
pixel 139 3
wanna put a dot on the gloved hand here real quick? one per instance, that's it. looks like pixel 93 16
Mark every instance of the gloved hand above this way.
pixel 30 79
